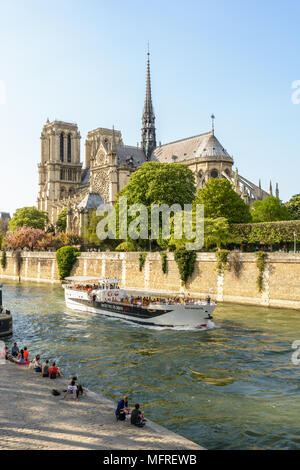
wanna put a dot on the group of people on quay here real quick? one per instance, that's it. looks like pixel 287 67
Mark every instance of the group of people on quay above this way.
pixel 21 357
pixel 74 389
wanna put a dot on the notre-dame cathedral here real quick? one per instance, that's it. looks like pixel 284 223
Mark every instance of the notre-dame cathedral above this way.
pixel 64 183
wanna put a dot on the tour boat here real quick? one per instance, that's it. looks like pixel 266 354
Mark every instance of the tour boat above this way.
pixel 105 297
pixel 5 319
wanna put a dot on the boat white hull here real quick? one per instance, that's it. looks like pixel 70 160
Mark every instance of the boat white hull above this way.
pixel 182 316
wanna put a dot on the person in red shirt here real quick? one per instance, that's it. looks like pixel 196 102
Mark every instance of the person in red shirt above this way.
pixel 54 371
pixel 26 353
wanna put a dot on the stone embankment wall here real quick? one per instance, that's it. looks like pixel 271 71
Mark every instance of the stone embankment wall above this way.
pixel 281 276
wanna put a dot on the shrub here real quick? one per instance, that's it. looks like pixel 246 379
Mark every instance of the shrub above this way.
pixel 186 263
pixel 265 233
pixel 66 258
pixel 128 245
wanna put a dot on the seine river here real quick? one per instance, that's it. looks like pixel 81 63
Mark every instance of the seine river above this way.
pixel 232 388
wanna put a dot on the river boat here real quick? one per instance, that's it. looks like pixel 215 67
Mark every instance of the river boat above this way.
pixel 105 297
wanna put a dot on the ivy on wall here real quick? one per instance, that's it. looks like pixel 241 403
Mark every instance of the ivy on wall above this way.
pixel 222 260
pixel 186 263
pixel 3 260
pixel 261 265
pixel 163 262
pixel 142 259
pixel 66 258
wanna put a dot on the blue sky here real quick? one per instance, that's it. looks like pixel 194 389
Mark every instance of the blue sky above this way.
pixel 85 62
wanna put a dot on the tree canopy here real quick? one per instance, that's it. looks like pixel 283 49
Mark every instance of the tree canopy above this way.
pixel 269 209
pixel 61 223
pixel 29 217
pixel 293 206
pixel 160 183
pixel 221 201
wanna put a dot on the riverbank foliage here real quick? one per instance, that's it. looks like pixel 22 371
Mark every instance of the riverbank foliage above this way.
pixel 186 263
pixel 265 233
pixel 66 257
pixel 28 217
pixel 221 201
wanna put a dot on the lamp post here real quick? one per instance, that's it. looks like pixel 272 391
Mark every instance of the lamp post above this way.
pixel 295 241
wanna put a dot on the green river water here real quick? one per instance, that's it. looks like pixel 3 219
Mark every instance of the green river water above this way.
pixel 231 388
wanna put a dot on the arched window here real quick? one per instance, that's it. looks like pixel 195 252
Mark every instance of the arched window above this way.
pixel 69 148
pixel 61 147
pixel 70 192
pixel 62 193
pixel 214 173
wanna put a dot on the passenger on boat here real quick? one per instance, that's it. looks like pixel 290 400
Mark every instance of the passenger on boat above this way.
pixel 208 299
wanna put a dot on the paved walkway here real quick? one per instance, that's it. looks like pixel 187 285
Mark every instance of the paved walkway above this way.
pixel 32 418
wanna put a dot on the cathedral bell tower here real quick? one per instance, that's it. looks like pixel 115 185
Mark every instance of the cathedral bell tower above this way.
pixel 60 168
pixel 148 128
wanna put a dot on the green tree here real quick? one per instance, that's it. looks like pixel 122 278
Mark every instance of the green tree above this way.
pixel 216 232
pixel 269 209
pixel 160 183
pixel 157 183
pixel 29 217
pixel 220 200
pixel 61 223
pixel 293 206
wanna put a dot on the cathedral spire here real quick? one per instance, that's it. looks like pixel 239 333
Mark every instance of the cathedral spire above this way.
pixel 148 128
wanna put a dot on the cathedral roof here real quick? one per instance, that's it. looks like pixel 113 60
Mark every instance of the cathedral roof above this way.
pixel 85 178
pixel 91 201
pixel 127 152
pixel 200 146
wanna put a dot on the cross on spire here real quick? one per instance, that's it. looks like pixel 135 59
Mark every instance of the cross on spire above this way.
pixel 213 117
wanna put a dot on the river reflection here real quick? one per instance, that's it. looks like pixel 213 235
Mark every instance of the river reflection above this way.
pixel 232 388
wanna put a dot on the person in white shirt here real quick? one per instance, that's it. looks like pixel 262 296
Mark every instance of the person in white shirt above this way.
pixel 72 389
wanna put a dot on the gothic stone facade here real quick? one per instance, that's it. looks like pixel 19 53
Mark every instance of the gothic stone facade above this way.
pixel 64 183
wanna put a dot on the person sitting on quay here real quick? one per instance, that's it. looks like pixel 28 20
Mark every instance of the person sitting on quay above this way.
pixel 122 408
pixel 26 353
pixel 15 350
pixel 45 368
pixel 71 390
pixel 36 364
pixel 20 359
pixel 54 371
pixel 137 416
pixel 80 388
